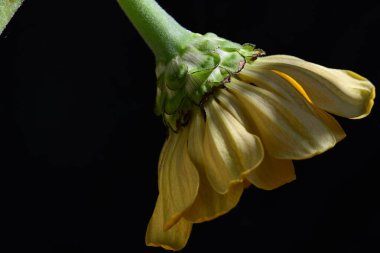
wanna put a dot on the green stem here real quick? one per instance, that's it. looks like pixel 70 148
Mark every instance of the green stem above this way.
pixel 161 32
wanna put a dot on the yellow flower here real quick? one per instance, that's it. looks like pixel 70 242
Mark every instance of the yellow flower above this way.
pixel 235 118
pixel 248 130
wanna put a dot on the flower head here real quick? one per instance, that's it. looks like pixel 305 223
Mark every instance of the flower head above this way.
pixel 237 117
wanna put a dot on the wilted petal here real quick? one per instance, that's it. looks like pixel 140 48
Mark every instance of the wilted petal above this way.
pixel 272 173
pixel 230 150
pixel 173 239
pixel 178 179
pixel 340 92
pixel 290 126
pixel 209 204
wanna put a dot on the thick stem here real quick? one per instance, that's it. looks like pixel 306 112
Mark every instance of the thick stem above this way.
pixel 161 32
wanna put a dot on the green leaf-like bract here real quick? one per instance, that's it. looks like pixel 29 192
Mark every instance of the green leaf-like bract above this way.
pixel 206 62
pixel 7 10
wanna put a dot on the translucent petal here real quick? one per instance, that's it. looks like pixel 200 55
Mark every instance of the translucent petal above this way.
pixel 272 173
pixel 173 239
pixel 340 92
pixel 290 127
pixel 178 178
pixel 230 150
pixel 209 204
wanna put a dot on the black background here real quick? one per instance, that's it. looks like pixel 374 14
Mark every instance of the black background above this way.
pixel 81 142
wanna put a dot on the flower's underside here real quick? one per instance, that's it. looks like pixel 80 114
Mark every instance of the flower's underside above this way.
pixel 243 130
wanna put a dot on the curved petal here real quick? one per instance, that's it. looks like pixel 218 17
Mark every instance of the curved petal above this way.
pixel 209 204
pixel 230 150
pixel 178 179
pixel 340 92
pixel 234 107
pixel 272 173
pixel 334 126
pixel 289 126
pixel 173 239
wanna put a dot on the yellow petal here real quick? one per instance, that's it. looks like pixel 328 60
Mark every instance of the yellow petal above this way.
pixel 209 204
pixel 234 107
pixel 178 178
pixel 340 92
pixel 289 126
pixel 230 150
pixel 173 239
pixel 272 173
pixel 334 126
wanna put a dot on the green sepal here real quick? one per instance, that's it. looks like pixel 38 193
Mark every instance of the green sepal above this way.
pixel 175 74
pixel 247 49
pixel 173 100
pixel 197 61
pixel 231 61
pixel 180 118
pixel 206 62
pixel 160 97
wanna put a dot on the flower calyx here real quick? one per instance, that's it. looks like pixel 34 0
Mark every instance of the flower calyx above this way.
pixel 205 63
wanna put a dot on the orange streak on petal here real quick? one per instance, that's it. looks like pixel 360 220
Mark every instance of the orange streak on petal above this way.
pixel 294 83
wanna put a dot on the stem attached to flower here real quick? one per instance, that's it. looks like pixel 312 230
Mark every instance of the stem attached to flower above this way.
pixel 161 32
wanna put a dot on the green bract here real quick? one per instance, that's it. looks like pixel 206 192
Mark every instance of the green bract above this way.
pixel 206 62
pixel 7 10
